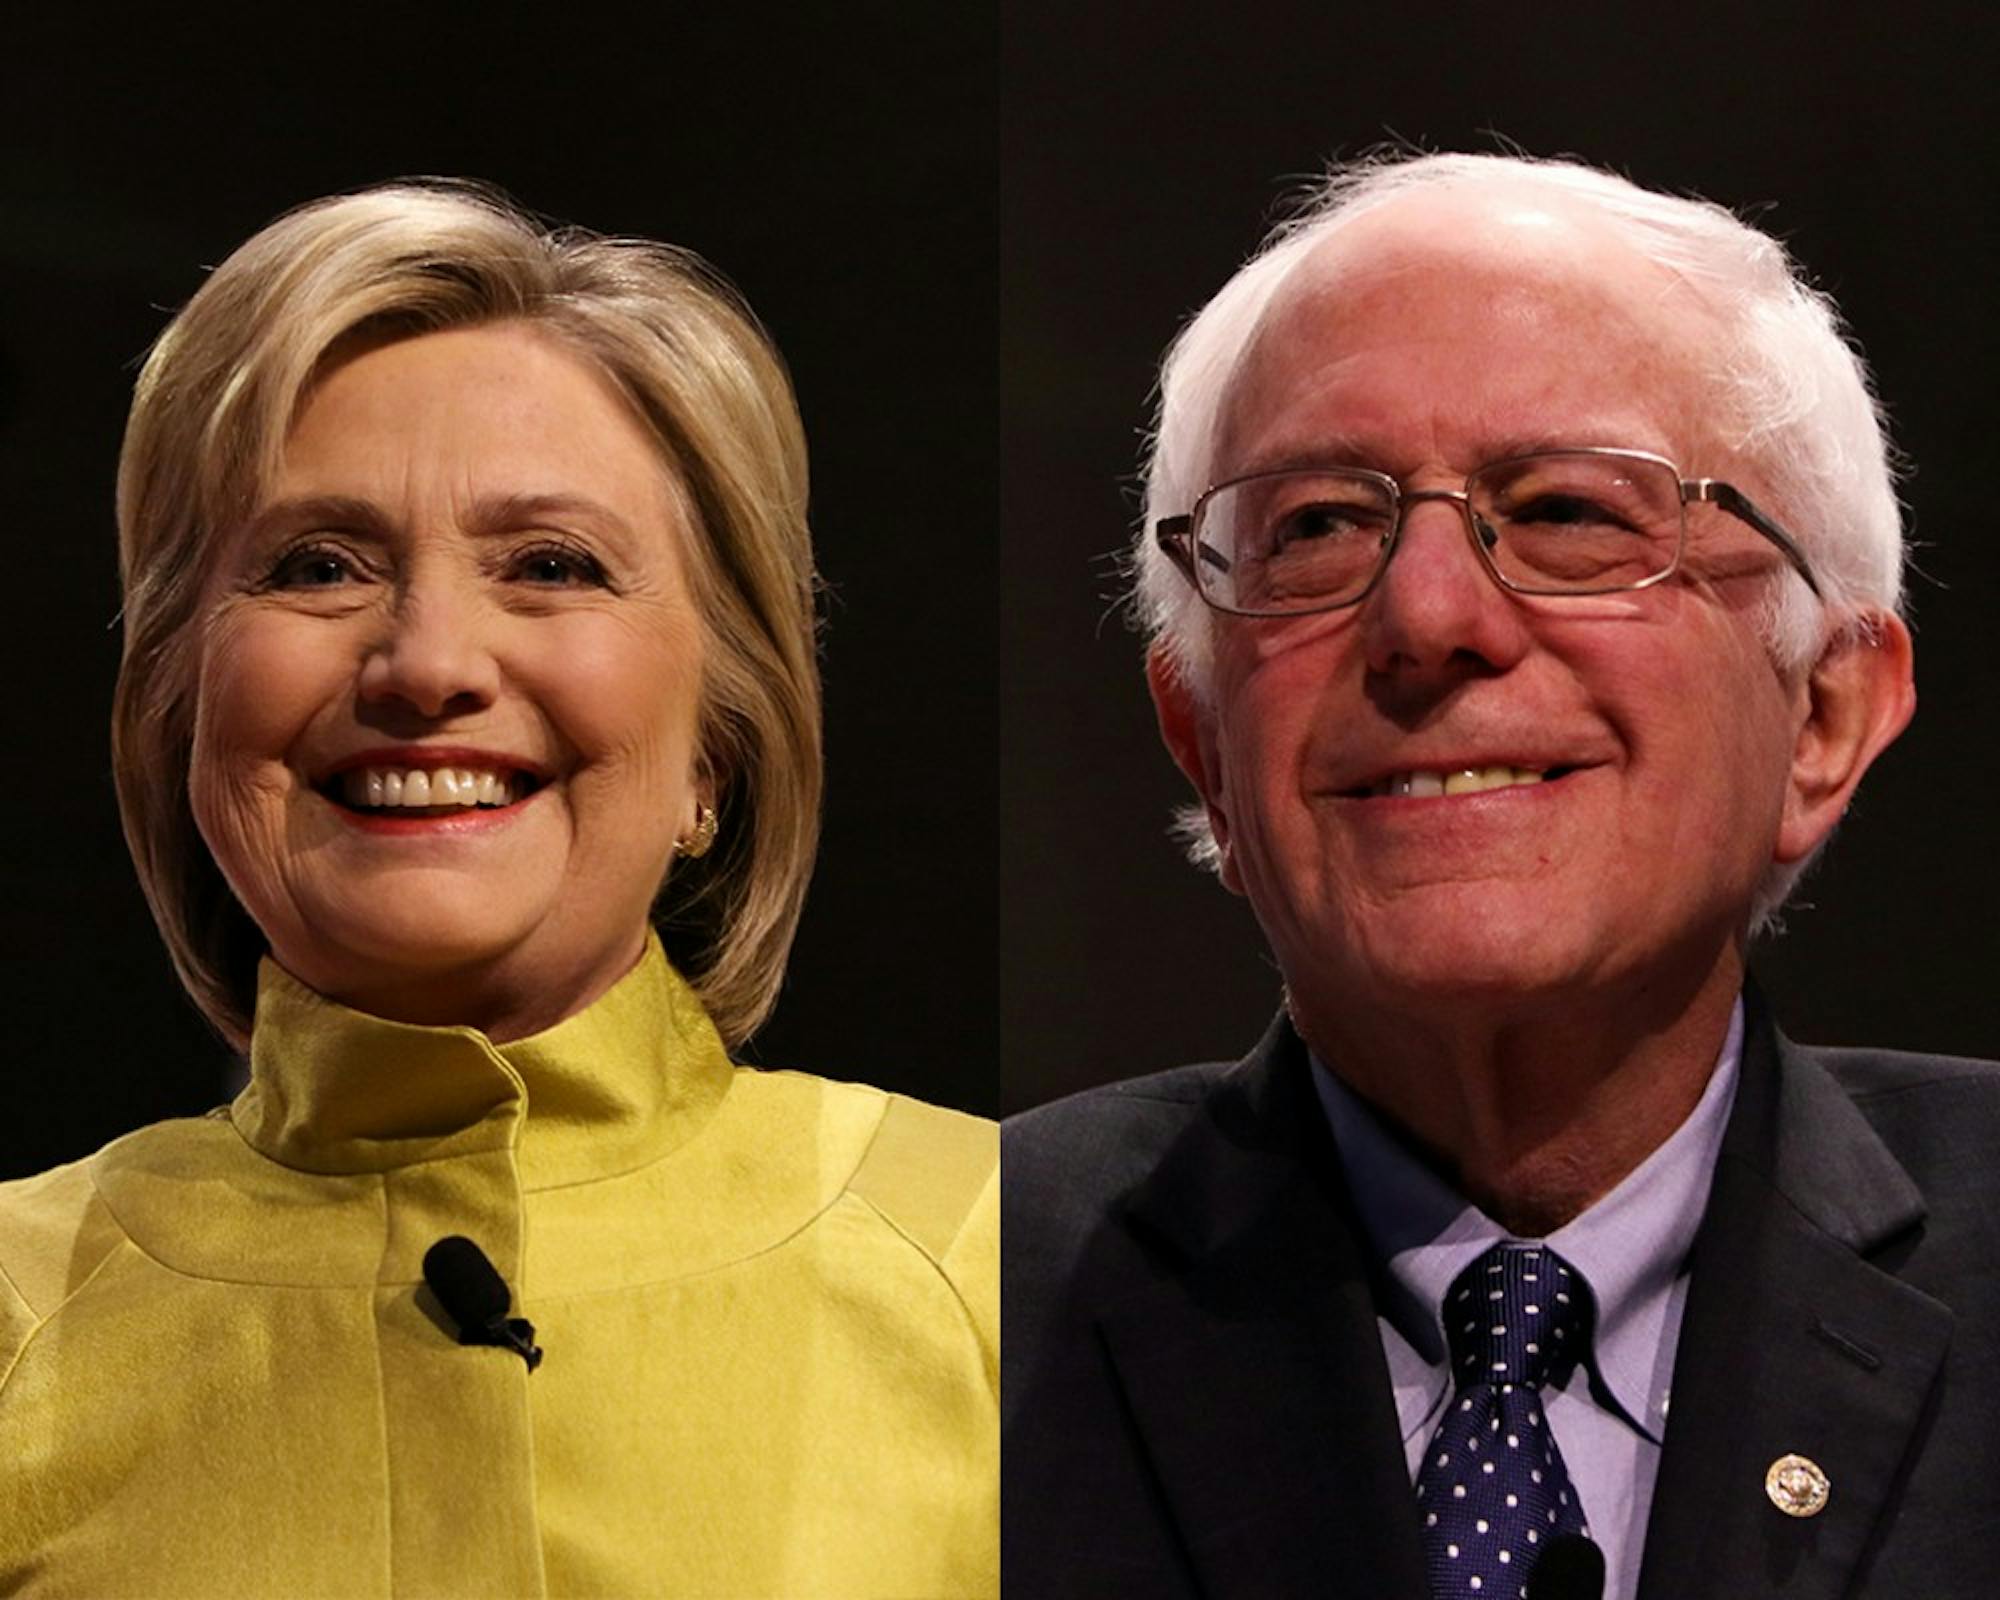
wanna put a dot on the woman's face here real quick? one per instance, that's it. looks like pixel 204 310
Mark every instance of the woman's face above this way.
pixel 446 727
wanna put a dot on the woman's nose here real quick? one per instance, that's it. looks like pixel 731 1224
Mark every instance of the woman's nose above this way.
pixel 433 655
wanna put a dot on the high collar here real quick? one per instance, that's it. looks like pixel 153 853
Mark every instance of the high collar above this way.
pixel 621 1083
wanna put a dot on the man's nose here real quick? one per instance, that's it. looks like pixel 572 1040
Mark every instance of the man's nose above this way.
pixel 434 653
pixel 1436 608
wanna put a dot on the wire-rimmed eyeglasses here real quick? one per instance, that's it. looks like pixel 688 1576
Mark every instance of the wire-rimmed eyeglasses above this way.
pixel 1556 522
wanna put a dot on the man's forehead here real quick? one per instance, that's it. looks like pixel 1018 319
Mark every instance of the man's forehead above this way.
pixel 1415 240
pixel 1590 339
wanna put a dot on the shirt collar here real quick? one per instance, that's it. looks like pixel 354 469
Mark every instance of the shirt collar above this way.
pixel 1631 1246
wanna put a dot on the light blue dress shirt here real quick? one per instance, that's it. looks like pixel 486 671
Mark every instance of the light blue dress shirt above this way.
pixel 1631 1247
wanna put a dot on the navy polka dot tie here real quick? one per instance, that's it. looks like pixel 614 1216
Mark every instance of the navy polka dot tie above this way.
pixel 1493 1490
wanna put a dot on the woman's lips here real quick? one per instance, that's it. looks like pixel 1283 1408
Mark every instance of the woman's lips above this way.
pixel 432 820
pixel 428 789
pixel 414 788
pixel 427 785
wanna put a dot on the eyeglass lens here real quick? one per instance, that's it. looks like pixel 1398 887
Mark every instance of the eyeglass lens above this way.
pixel 1549 524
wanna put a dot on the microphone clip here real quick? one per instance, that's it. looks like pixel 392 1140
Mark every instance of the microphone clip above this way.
pixel 508 1333
pixel 477 1299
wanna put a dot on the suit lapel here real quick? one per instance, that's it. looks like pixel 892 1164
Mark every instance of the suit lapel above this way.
pixel 1797 1339
pixel 1252 1365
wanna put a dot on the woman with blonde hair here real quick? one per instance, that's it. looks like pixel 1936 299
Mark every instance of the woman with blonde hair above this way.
pixel 467 740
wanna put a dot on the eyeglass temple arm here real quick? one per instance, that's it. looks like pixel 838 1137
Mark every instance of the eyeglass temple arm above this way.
pixel 1175 535
pixel 1744 509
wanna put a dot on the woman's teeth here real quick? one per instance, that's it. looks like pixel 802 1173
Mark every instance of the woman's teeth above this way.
pixel 378 788
pixel 1424 785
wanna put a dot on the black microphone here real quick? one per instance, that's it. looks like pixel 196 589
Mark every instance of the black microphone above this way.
pixel 1570 1568
pixel 477 1298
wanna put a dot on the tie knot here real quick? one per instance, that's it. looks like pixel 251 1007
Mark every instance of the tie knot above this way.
pixel 1515 1315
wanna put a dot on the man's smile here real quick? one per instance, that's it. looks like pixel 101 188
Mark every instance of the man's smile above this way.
pixel 1425 783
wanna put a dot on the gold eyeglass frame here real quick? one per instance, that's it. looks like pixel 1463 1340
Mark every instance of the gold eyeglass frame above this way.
pixel 1178 535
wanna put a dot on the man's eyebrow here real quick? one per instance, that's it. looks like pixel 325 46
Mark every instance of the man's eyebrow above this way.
pixel 1613 433
pixel 1318 450
pixel 1342 450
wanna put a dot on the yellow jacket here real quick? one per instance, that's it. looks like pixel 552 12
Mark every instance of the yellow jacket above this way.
pixel 769 1305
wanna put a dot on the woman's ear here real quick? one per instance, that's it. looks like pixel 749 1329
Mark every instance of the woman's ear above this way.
pixel 695 829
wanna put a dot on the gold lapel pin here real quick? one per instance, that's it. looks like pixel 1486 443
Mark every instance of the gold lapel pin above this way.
pixel 1797 1486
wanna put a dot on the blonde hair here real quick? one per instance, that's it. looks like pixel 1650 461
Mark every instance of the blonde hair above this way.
pixel 215 402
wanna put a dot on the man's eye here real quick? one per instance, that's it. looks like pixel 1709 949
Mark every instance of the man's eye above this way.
pixel 558 566
pixel 1322 521
pixel 313 567
pixel 1567 510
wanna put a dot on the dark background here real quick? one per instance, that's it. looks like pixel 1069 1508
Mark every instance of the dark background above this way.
pixel 1140 168
pixel 836 162
pixel 839 164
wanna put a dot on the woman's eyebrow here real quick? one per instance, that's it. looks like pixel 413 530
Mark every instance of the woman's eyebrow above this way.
pixel 500 513
pixel 492 513
pixel 310 510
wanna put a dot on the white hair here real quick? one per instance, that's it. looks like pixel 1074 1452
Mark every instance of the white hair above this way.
pixel 1792 395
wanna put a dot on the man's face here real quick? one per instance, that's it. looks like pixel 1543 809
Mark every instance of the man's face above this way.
pixel 1662 729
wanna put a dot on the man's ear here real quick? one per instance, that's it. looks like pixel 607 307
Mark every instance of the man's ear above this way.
pixel 1858 696
pixel 1188 729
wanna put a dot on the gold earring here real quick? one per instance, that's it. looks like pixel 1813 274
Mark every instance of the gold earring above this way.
pixel 697 843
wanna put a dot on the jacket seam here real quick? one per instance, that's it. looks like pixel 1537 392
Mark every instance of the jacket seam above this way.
pixel 382 1394
pixel 958 1296
pixel 20 1294
pixel 1892 1091
pixel 43 1322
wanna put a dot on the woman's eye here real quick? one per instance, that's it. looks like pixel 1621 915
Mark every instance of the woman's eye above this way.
pixel 552 566
pixel 314 567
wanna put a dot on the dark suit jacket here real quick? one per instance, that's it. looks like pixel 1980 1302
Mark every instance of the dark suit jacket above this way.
pixel 1196 1402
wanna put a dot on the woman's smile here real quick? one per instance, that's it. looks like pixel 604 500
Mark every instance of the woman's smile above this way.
pixel 411 791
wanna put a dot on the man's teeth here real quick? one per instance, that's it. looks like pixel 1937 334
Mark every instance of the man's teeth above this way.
pixel 1470 780
pixel 382 787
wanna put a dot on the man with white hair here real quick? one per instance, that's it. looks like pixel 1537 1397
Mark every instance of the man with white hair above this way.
pixel 1522 565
